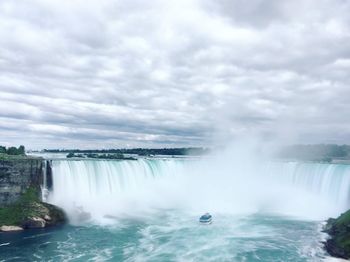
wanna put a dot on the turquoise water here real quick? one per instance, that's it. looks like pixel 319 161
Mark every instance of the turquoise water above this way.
pixel 171 236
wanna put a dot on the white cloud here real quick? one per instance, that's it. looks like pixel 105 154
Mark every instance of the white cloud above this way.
pixel 158 73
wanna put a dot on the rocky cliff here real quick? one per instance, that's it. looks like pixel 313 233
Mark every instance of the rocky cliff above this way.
pixel 338 244
pixel 21 203
pixel 17 175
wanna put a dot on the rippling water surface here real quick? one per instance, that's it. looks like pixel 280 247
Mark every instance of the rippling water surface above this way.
pixel 171 236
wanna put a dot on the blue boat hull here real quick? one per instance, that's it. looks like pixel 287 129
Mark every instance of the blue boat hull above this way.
pixel 206 221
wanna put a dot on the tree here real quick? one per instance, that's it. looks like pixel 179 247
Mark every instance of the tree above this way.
pixel 70 155
pixel 12 151
pixel 16 151
pixel 21 150
pixel 2 150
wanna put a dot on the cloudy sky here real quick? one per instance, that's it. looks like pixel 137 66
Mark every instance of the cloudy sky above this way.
pixel 105 73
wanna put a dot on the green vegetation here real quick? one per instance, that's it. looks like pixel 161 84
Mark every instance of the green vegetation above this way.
pixel 17 157
pixel 339 230
pixel 2 150
pixel 343 219
pixel 23 208
pixel 13 151
pixel 110 156
pixel 71 154
pixel 100 156
pixel 14 157
pixel 28 210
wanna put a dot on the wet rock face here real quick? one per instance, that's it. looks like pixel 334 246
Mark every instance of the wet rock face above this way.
pixel 21 205
pixel 335 250
pixel 34 222
pixel 53 215
pixel 16 176
pixel 338 245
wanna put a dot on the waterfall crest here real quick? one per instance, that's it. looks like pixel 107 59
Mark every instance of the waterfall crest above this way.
pixel 104 187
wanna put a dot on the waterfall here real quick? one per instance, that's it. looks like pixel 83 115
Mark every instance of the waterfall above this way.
pixel 331 181
pixel 104 187
pixel 44 189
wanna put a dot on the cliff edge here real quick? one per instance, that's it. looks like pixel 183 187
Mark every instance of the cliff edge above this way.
pixel 21 206
pixel 338 245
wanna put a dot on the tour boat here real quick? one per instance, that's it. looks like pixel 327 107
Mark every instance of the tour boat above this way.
pixel 206 219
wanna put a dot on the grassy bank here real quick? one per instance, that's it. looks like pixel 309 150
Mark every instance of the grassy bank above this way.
pixel 17 157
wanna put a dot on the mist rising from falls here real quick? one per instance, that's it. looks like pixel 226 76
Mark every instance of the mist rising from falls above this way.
pixel 117 188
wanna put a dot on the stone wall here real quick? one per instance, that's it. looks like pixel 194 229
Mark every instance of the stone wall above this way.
pixel 16 175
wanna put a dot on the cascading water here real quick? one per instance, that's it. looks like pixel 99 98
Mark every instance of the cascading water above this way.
pixel 310 190
pixel 330 182
pixel 109 187
pixel 44 189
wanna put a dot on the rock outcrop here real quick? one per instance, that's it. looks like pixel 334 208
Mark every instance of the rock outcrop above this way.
pixel 338 245
pixel 17 175
pixel 29 212
pixel 21 206
pixel 10 228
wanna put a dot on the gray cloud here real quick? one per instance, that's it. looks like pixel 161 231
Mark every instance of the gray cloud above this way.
pixel 172 73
